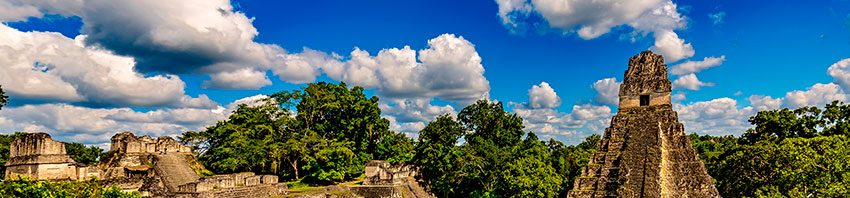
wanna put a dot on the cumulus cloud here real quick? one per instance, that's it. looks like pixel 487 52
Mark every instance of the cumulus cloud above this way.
pixel 194 36
pixel 47 66
pixel 411 115
pixel 21 10
pixel 762 103
pixel 716 117
pixel 545 120
pixel 816 95
pixel 240 79
pixel 591 19
pixel 582 121
pixel 840 72
pixel 543 96
pixel 691 67
pixel 96 125
pixel 607 91
pixel 691 82
pixel 449 69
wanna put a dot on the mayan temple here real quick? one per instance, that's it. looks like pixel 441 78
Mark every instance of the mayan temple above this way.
pixel 645 152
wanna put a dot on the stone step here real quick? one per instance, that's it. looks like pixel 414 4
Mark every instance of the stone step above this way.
pixel 175 170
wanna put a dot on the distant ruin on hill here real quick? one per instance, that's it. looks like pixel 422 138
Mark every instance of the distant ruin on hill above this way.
pixel 645 152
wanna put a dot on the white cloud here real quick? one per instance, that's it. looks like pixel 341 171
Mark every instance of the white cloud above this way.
pixel 50 67
pixel 20 10
pixel 691 67
pixel 691 82
pixel 840 72
pixel 411 115
pixel 816 95
pixel 591 19
pixel 244 78
pixel 715 117
pixel 543 96
pixel 544 120
pixel 673 48
pixel 607 91
pixel 572 127
pixel 678 97
pixel 762 103
pixel 96 125
pixel 449 69
pixel 192 36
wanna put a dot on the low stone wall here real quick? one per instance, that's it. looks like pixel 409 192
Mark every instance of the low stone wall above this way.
pixel 213 183
pixel 259 190
pixel 382 173
pixel 384 180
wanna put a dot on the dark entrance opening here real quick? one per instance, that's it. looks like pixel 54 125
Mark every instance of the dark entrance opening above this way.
pixel 644 100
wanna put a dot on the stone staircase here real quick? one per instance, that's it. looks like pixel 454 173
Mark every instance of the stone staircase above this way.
pixel 174 170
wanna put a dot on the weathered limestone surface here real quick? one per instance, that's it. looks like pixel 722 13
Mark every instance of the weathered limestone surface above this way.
pixel 37 156
pixel 383 180
pixel 154 167
pixel 645 152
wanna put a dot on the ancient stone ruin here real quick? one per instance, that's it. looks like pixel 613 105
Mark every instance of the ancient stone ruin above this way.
pixel 159 167
pixel 384 180
pixel 36 156
pixel 645 152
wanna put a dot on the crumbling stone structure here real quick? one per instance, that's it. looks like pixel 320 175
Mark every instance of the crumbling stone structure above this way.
pixel 154 167
pixel 37 156
pixel 383 180
pixel 645 152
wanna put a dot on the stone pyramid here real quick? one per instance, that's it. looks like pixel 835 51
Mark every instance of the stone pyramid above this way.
pixel 645 152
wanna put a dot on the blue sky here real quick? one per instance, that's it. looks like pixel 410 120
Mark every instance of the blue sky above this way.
pixel 772 54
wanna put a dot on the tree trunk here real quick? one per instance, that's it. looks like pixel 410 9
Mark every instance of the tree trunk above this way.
pixel 294 165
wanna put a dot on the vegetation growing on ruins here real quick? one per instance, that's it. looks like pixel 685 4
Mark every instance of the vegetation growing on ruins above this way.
pixel 28 188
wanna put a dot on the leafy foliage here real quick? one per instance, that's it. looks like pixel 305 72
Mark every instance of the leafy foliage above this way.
pixel 81 154
pixel 493 160
pixel 3 98
pixel 28 188
pixel 321 134
pixel 5 141
pixel 789 153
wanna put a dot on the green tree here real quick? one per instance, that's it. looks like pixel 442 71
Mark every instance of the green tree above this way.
pixel 395 148
pixel 437 156
pixel 29 188
pixel 493 160
pixel 5 141
pixel 784 123
pixel 569 160
pixel 81 154
pixel 530 173
pixel 323 133
pixel 3 98
pixel 237 144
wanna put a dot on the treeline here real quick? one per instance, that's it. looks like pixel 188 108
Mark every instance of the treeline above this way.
pixel 802 152
pixel 325 133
